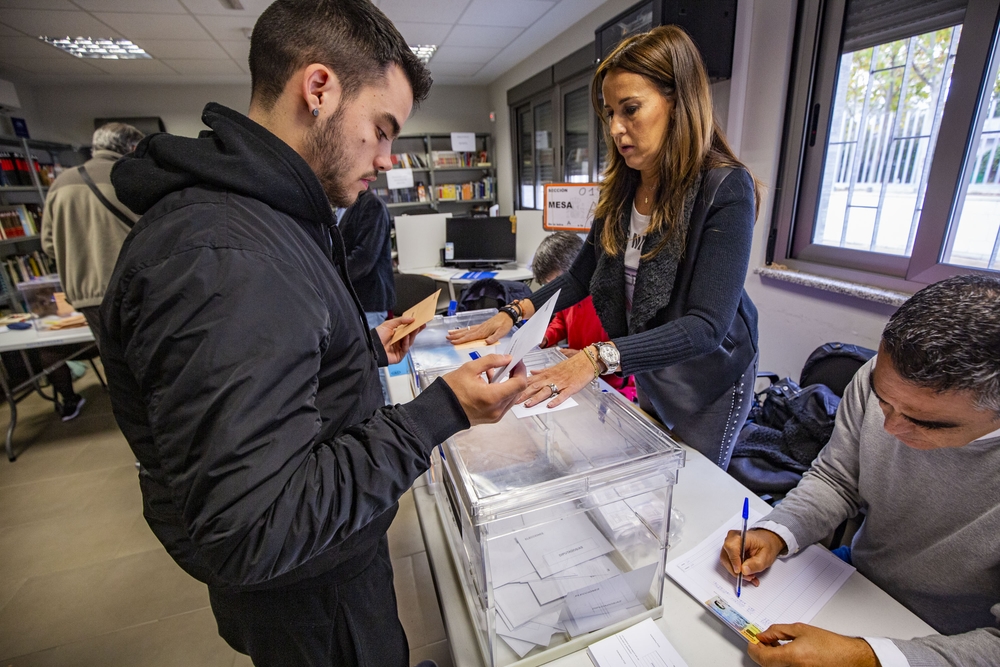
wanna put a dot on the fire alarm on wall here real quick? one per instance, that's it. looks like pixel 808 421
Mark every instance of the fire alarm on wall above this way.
pixel 493 116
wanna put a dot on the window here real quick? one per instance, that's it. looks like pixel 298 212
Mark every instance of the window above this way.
pixel 891 165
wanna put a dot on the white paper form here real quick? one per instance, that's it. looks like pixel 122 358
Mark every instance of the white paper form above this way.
pixel 508 563
pixel 554 546
pixel 528 337
pixel 607 602
pixel 571 579
pixel 542 408
pixel 793 590
pixel 642 645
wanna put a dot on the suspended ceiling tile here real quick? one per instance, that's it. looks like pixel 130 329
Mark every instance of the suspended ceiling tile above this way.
pixel 184 48
pixel 239 50
pixel 423 33
pixel 220 8
pixel 454 69
pixel 133 67
pixel 482 36
pixel 140 6
pixel 200 67
pixel 57 23
pixel 154 26
pixel 62 66
pixel 38 4
pixel 19 47
pixel 228 28
pixel 6 31
pixel 427 11
pixel 509 13
pixel 464 54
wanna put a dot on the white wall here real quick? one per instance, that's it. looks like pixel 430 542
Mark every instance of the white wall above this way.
pixel 66 113
pixel 793 320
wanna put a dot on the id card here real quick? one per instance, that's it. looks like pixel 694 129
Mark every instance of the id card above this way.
pixel 734 619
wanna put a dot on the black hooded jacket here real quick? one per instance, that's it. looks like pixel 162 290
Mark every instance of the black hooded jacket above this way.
pixel 241 370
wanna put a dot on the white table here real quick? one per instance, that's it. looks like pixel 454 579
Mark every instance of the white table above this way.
pixel 707 497
pixel 444 274
pixel 25 339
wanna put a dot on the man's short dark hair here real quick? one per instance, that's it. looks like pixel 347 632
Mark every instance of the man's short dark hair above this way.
pixel 947 337
pixel 555 254
pixel 351 37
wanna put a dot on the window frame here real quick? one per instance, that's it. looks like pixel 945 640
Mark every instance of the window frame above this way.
pixel 808 116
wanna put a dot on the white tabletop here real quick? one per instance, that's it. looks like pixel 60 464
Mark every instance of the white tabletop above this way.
pixel 707 497
pixel 449 274
pixel 22 339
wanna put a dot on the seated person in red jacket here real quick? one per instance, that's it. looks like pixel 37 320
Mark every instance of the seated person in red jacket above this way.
pixel 579 324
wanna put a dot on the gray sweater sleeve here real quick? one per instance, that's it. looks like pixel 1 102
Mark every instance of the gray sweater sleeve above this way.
pixel 979 648
pixel 828 493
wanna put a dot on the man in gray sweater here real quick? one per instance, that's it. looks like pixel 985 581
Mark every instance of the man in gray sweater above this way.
pixel 917 445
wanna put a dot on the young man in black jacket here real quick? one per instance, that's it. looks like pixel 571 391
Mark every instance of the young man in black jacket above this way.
pixel 242 371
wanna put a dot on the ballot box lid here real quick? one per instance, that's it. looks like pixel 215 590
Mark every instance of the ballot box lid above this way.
pixel 526 463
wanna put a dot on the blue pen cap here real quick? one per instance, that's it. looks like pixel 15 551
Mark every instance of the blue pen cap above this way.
pixel 452 308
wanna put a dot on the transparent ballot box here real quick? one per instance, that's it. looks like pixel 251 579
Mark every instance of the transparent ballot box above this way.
pixel 431 349
pixel 557 522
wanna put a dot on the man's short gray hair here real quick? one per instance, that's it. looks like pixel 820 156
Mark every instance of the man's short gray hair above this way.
pixel 555 254
pixel 118 137
pixel 947 337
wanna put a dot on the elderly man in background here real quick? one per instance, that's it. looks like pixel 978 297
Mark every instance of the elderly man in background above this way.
pixel 84 224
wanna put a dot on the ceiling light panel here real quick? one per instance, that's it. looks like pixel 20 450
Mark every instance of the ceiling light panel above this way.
pixel 424 51
pixel 90 47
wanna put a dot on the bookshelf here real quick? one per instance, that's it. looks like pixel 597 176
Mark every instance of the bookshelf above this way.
pixel 27 168
pixel 445 181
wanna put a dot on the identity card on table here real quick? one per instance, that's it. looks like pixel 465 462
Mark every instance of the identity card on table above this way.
pixel 528 337
pixel 793 590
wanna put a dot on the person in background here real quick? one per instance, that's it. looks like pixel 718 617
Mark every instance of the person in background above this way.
pixel 917 445
pixel 666 256
pixel 241 368
pixel 84 224
pixel 366 229
pixel 578 324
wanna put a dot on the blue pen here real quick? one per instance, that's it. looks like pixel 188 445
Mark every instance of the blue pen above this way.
pixel 474 355
pixel 743 545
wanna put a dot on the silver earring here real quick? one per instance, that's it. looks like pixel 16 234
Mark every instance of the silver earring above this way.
pixel 316 112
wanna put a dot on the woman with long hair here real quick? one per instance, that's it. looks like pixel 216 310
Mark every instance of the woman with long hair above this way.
pixel 666 257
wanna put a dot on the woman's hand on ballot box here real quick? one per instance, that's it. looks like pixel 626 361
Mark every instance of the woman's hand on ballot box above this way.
pixel 555 384
pixel 490 331
pixel 486 403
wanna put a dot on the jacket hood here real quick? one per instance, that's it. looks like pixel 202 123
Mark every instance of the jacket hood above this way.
pixel 237 155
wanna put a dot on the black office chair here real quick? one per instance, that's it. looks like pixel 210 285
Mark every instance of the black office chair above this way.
pixel 410 290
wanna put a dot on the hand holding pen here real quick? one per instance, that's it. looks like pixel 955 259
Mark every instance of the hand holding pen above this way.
pixel 748 554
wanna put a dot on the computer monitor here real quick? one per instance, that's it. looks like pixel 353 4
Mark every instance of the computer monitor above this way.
pixel 482 241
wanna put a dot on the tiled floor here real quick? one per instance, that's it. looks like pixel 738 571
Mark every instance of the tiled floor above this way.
pixel 84 582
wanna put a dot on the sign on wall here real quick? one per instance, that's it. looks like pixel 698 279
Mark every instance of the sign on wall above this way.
pixel 569 207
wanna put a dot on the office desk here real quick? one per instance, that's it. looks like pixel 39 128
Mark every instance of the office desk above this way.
pixel 21 340
pixel 444 274
pixel 707 497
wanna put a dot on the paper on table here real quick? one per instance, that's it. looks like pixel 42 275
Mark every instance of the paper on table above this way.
pixel 642 645
pixel 422 313
pixel 552 547
pixel 610 601
pixel 793 590
pixel 528 337
pixel 521 412
pixel 472 345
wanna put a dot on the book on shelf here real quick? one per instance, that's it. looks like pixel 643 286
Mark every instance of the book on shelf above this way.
pixel 466 191
pixel 15 170
pixel 416 194
pixel 22 268
pixel 409 160
pixel 454 159
pixel 20 220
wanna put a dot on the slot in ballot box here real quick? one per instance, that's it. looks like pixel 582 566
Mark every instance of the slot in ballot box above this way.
pixel 557 522
pixel 431 349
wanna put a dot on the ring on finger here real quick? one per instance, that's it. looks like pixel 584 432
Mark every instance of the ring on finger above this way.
pixel 554 389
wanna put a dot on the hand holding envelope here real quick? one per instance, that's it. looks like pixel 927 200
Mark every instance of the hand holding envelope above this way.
pixel 422 313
